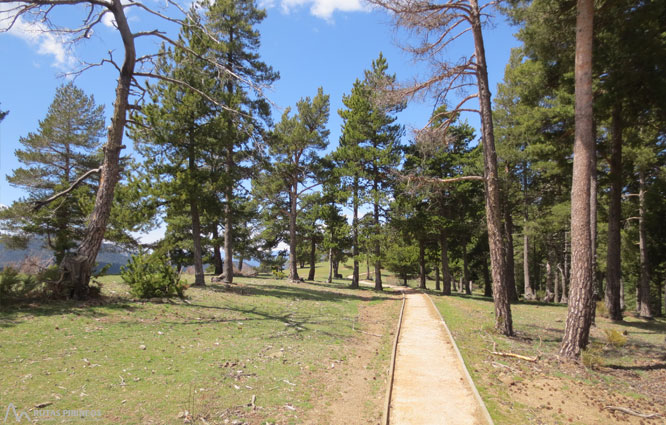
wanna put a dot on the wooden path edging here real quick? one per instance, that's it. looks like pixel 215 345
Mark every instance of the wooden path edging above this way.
pixel 389 389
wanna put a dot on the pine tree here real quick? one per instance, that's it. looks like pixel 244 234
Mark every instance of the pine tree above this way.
pixel 293 148
pixel 65 146
pixel 233 24
pixel 368 152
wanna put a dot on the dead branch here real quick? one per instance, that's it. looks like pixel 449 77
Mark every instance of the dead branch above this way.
pixel 41 203
pixel 437 180
pixel 631 412
pixel 517 356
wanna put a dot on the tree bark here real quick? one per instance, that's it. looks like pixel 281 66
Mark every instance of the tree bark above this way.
pixel 550 295
pixel 330 266
pixel 377 248
pixel 313 258
pixel 355 250
pixel 509 261
pixel 217 255
pixel 86 253
pixel 466 285
pixel 581 292
pixel 487 286
pixel 437 278
pixel 529 291
pixel 613 257
pixel 503 320
pixel 228 220
pixel 422 265
pixel 444 253
pixel 644 286
pixel 197 251
pixel 293 260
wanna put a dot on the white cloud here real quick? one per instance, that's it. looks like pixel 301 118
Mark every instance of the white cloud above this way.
pixel 37 34
pixel 320 8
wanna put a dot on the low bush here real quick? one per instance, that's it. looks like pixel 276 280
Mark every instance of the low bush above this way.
pixel 152 276
pixel 14 285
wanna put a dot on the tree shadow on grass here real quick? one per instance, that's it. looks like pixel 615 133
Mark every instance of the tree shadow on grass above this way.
pixel 12 314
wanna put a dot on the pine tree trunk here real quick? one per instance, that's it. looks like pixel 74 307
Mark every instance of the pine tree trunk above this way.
pixel 466 279
pixel 377 248
pixel 446 273
pixel 596 281
pixel 529 291
pixel 313 258
pixel 437 278
pixel 550 296
pixel 197 251
pixel 556 282
pixel 330 266
pixel 487 286
pixel 367 267
pixel 613 258
pixel 293 260
pixel 240 263
pixel 581 293
pixel 217 255
pixel 355 250
pixel 503 320
pixel 509 261
pixel 422 266
pixel 644 283
pixel 228 221
pixel 78 268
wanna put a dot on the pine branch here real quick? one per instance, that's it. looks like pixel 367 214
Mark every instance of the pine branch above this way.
pixel 39 204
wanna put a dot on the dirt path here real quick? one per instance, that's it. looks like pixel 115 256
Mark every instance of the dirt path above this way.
pixel 431 384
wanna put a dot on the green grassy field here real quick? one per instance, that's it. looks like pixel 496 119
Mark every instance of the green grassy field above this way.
pixel 141 362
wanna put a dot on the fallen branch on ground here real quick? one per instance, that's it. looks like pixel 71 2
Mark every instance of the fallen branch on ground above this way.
pixel 517 356
pixel 631 412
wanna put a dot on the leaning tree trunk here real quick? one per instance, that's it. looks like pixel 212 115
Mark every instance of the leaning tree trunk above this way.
pixel 293 260
pixel 581 292
pixel 446 272
pixel 78 269
pixel 422 265
pixel 644 283
pixel 503 320
pixel 613 258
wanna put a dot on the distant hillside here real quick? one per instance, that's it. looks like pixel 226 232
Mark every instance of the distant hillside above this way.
pixel 109 254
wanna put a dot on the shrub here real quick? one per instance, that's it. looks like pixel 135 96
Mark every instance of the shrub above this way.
pixel 278 274
pixel 602 310
pixel 15 285
pixel 591 357
pixel 615 339
pixel 152 276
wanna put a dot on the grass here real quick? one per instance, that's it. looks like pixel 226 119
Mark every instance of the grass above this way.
pixel 516 391
pixel 140 362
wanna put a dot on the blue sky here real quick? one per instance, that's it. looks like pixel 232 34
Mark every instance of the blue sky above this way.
pixel 311 43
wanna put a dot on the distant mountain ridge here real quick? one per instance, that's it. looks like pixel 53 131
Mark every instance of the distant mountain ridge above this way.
pixel 37 248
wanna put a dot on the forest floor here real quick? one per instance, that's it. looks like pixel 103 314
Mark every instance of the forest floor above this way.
pixel 267 351
pixel 624 366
